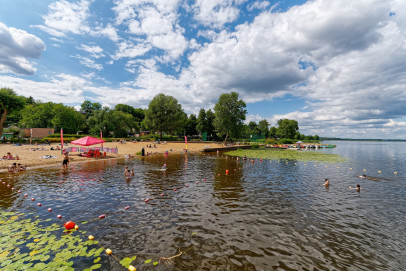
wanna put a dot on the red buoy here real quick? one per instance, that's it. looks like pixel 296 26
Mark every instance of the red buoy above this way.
pixel 100 217
pixel 69 225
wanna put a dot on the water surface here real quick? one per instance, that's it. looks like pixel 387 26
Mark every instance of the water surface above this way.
pixel 269 215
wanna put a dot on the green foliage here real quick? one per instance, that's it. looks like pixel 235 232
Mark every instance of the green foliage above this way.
pixel 255 146
pixel 285 141
pixel 51 115
pixel 111 123
pixel 9 102
pixel 191 123
pixel 274 154
pixel 287 128
pixel 26 245
pixel 229 115
pixel 165 115
pixel 270 141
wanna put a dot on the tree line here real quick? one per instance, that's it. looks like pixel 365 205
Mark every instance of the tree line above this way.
pixel 164 116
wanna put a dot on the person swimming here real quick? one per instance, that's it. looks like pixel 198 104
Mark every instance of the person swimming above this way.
pixel 357 188
pixel 362 176
pixel 164 167
pixel 327 182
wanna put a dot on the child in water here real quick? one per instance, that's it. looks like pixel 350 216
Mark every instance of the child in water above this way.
pixel 164 166
pixel 358 188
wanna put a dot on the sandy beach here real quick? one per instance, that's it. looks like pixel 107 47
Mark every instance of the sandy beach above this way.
pixel 30 155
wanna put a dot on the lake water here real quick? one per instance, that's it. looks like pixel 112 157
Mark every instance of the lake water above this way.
pixel 269 215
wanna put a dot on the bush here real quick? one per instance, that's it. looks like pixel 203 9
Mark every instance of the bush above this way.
pixel 285 141
pixel 270 141
pixel 255 146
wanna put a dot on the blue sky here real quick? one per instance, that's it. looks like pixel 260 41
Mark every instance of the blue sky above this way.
pixel 337 67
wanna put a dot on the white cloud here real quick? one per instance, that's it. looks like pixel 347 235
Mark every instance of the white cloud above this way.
pixel 89 62
pixel 95 51
pixel 216 13
pixel 64 17
pixel 16 46
pixel 130 50
pixel 258 5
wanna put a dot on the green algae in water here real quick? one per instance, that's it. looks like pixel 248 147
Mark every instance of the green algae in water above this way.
pixel 277 154
pixel 27 245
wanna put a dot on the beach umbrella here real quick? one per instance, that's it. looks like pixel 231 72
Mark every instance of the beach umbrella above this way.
pixel 87 141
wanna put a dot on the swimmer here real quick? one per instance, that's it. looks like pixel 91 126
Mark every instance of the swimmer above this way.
pixel 164 166
pixel 132 172
pixel 126 170
pixel 362 176
pixel 327 183
pixel 358 188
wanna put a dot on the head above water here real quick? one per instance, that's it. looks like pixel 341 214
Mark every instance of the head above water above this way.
pixel 358 186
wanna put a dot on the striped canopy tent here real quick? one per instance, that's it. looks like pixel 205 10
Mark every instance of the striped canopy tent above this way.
pixel 87 141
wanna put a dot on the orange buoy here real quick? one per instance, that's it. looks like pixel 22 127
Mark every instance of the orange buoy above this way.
pixel 69 225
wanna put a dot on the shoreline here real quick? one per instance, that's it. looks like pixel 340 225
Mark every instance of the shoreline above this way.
pixel 31 159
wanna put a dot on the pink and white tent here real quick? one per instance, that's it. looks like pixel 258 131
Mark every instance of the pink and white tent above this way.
pixel 87 141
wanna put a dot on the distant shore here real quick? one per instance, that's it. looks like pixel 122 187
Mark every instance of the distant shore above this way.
pixel 31 158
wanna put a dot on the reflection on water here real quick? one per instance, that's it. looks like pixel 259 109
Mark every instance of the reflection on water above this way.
pixel 266 215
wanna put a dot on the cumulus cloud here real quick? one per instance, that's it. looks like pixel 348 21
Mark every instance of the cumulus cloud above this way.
pixel 64 17
pixel 216 13
pixel 95 51
pixel 16 46
pixel 156 22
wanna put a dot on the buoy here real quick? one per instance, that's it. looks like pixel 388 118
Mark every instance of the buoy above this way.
pixel 39 204
pixel 69 225
pixel 91 237
pixel 350 168
pixel 364 169
pixel 127 207
pixel 108 251
pixel 175 189
pixel 379 171
pixel 59 216
pixel 102 216
pixel 146 200
pixel 163 194
pixel 325 166
pixel 197 182
pixel 33 199
pixel 206 180
pixel 132 268
pixel 76 227
pixel 260 160
pixel 227 171
pixel 218 174
pixel 49 210
pixel 338 167
pixel 19 191
pixel 187 185
pixel 8 186
pixel 12 189
pixel 25 195
pixel 395 173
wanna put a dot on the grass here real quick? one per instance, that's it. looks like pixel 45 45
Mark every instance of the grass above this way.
pixel 276 154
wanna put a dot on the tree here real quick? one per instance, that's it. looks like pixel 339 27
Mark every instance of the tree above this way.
pixel 9 102
pixel 190 128
pixel 47 115
pixel 202 124
pixel 164 115
pixel 273 132
pixel 137 113
pixel 67 118
pixel 287 128
pixel 263 127
pixel 253 128
pixel 229 115
pixel 88 108
pixel 210 123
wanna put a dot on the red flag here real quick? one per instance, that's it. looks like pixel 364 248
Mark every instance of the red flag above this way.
pixel 62 138
pixel 186 141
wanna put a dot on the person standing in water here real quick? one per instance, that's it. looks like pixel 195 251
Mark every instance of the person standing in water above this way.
pixel 327 183
pixel 65 161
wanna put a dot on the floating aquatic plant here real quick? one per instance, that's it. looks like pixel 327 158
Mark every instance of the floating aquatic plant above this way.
pixel 27 245
pixel 277 154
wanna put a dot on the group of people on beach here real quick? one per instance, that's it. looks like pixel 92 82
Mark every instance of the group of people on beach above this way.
pixel 16 167
pixel 9 156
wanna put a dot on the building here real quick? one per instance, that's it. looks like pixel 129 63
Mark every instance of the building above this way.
pixel 38 132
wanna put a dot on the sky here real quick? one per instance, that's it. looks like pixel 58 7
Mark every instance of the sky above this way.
pixel 337 67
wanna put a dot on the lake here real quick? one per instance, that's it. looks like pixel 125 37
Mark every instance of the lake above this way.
pixel 266 215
